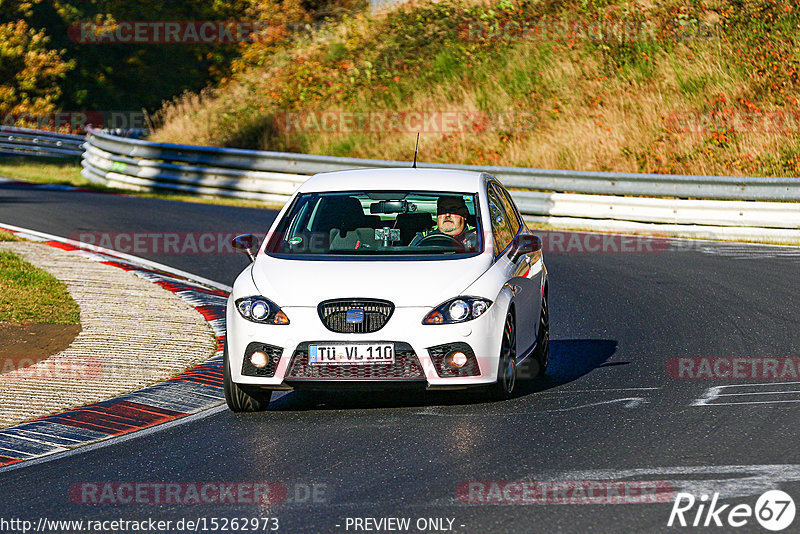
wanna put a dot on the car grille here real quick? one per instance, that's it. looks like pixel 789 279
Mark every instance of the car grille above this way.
pixel 376 313
pixel 406 366
pixel 273 355
pixel 439 352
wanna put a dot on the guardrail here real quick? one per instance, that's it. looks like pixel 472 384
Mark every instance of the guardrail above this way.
pixel 24 141
pixel 212 159
pixel 701 206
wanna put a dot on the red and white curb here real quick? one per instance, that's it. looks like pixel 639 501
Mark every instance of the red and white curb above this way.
pixel 196 390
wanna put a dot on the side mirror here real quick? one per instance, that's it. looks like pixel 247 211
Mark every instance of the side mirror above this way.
pixel 247 243
pixel 525 244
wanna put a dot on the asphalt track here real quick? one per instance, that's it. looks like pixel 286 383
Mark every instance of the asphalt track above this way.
pixel 608 409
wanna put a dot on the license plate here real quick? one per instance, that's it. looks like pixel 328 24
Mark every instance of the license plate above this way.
pixel 351 354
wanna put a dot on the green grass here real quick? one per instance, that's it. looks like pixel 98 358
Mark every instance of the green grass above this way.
pixel 47 171
pixel 31 295
pixel 7 236
pixel 43 171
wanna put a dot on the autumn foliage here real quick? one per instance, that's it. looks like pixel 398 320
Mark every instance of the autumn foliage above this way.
pixel 665 87
pixel 30 72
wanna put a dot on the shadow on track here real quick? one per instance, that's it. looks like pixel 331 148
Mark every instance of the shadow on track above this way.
pixel 570 359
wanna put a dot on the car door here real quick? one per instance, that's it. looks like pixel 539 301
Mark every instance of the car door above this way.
pixel 522 277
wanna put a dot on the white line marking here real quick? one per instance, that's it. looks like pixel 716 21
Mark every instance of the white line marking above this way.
pixel 751 479
pixel 14 435
pixel 748 402
pixel 113 440
pixel 757 384
pixel 715 392
pixel 630 402
pixel 10 449
pixel 758 393
pixel 135 260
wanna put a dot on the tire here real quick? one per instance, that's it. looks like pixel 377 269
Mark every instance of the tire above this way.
pixel 503 389
pixel 237 399
pixel 543 337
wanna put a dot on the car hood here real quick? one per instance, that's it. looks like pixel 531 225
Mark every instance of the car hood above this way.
pixel 291 283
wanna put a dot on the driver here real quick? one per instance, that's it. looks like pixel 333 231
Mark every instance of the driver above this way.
pixel 451 219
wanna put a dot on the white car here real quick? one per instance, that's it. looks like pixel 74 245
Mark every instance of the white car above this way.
pixel 383 278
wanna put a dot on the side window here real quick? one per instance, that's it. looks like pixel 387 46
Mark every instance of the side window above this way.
pixel 513 220
pixel 501 231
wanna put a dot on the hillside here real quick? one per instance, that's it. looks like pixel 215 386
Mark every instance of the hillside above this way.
pixel 670 87
pixel 71 57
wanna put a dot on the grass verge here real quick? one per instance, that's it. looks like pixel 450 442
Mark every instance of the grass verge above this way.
pixel 31 295
pixel 8 236
pixel 43 171
pixel 47 171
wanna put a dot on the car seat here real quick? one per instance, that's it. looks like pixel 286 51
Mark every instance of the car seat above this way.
pixel 411 223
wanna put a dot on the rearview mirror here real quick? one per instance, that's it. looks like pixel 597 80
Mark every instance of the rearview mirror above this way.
pixel 392 206
pixel 247 243
pixel 525 244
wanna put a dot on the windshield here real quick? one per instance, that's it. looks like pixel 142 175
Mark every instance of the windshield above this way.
pixel 379 223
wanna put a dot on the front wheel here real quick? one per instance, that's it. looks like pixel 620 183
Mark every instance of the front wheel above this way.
pixel 503 389
pixel 237 399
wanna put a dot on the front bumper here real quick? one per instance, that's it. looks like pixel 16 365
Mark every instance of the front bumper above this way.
pixel 414 366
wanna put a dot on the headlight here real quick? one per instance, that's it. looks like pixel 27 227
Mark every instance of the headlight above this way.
pixel 458 310
pixel 261 310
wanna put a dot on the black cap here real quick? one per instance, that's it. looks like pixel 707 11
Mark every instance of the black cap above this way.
pixel 454 205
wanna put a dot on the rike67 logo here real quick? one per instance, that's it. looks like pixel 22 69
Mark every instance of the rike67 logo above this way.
pixel 774 510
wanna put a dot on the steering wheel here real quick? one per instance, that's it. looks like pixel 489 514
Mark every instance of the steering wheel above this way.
pixel 441 240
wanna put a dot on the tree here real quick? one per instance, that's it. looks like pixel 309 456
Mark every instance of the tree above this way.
pixel 30 72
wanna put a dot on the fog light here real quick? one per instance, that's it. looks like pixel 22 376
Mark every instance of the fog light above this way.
pixel 258 359
pixel 456 359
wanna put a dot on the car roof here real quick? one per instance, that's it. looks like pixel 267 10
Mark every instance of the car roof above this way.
pixel 393 179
